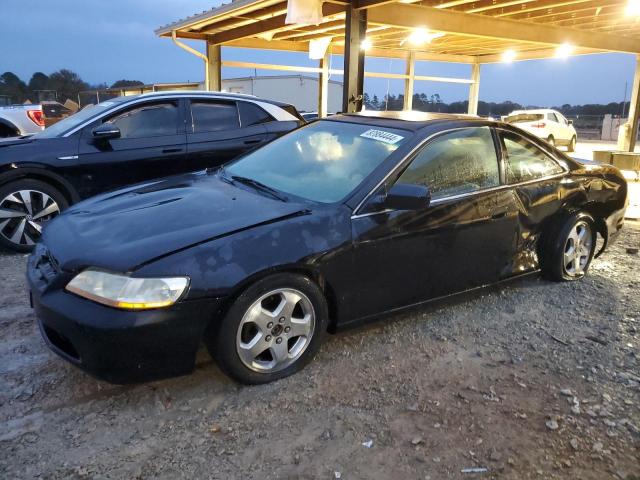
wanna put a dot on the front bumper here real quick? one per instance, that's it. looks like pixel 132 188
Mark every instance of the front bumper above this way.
pixel 115 345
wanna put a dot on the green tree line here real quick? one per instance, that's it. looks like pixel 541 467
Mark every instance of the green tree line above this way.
pixel 61 85
pixel 67 84
pixel 433 103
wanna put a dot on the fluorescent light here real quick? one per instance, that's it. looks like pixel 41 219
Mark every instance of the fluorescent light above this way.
pixel 366 44
pixel 509 56
pixel 564 50
pixel 420 36
pixel 633 8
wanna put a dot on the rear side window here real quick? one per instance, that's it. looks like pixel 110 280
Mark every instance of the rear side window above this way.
pixel 524 161
pixel 148 120
pixel 524 117
pixel 214 116
pixel 252 114
pixel 455 163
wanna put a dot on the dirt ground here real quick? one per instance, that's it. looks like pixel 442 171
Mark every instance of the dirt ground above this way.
pixel 529 379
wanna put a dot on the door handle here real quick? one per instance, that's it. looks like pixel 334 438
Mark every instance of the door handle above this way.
pixel 172 150
pixel 252 142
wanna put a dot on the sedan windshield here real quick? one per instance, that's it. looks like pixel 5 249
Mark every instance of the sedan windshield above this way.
pixel 323 161
pixel 76 119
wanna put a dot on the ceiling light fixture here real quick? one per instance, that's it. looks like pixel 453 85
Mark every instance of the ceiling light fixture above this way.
pixel 564 50
pixel 509 56
pixel 420 36
pixel 633 8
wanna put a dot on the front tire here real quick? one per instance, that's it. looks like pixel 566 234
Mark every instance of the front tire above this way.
pixel 25 206
pixel 272 330
pixel 572 145
pixel 568 248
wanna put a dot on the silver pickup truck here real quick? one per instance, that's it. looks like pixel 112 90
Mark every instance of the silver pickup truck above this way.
pixel 19 120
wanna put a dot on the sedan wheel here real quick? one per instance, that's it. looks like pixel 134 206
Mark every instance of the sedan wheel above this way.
pixel 567 247
pixel 578 249
pixel 276 330
pixel 24 208
pixel 271 330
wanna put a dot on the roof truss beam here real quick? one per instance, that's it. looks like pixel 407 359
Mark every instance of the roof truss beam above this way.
pixel 412 16
pixel 267 26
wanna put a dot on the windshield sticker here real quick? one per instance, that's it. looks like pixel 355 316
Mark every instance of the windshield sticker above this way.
pixel 382 136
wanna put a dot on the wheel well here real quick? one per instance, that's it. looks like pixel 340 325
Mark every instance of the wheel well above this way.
pixel 42 178
pixel 327 290
pixel 599 213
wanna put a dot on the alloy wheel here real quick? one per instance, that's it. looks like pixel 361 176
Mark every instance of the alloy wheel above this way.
pixel 578 248
pixel 275 330
pixel 23 213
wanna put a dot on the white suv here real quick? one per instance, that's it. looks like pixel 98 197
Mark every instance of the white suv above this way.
pixel 546 124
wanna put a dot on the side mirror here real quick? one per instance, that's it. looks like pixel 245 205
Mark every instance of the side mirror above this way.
pixel 404 196
pixel 569 122
pixel 106 131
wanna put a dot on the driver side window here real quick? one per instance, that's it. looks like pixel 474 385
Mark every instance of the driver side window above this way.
pixel 148 120
pixel 455 163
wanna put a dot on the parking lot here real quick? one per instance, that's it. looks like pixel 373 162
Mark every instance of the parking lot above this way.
pixel 530 379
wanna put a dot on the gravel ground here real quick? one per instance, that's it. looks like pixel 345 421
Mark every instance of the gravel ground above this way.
pixel 529 379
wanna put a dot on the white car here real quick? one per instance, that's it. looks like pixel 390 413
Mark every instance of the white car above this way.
pixel 547 124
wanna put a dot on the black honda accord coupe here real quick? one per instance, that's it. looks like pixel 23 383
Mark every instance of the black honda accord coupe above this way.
pixel 337 222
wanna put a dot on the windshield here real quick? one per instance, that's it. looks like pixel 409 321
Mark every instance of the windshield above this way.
pixel 524 117
pixel 323 161
pixel 76 119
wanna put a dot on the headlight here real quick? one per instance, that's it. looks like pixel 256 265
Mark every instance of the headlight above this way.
pixel 122 291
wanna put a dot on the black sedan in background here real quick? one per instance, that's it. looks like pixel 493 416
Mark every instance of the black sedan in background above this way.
pixel 124 141
pixel 337 222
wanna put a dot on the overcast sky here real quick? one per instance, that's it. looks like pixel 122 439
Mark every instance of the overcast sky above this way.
pixel 106 40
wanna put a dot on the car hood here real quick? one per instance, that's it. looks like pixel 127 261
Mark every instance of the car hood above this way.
pixel 128 228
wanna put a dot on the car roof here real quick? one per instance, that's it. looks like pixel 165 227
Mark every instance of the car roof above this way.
pixel 200 93
pixel 409 120
pixel 534 110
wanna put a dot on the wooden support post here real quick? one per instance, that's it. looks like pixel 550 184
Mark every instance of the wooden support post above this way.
pixel 213 72
pixel 408 82
pixel 474 89
pixel 323 85
pixel 356 28
pixel 629 131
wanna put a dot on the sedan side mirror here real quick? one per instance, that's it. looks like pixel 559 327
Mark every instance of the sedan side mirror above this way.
pixel 106 131
pixel 569 122
pixel 404 196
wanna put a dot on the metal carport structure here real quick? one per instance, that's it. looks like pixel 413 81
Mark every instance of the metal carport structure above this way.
pixel 474 32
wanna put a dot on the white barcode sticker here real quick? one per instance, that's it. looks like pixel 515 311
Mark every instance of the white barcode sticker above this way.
pixel 382 136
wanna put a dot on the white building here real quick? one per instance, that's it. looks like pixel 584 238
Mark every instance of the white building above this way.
pixel 299 90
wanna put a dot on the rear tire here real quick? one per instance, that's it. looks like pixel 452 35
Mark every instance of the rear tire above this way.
pixel 572 144
pixel 568 248
pixel 272 330
pixel 25 206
